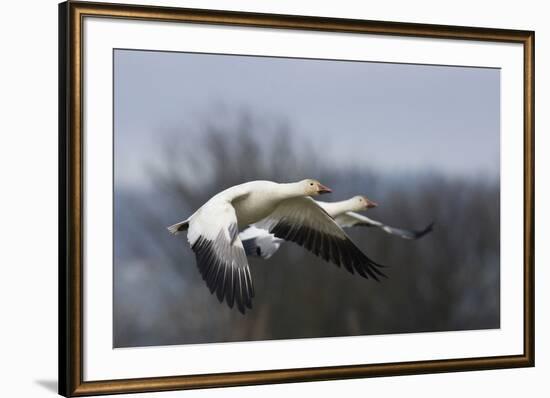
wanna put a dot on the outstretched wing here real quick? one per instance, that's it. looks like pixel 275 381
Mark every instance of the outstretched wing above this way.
pixel 303 221
pixel 351 219
pixel 214 237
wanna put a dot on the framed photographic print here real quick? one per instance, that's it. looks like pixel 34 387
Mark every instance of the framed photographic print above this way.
pixel 251 198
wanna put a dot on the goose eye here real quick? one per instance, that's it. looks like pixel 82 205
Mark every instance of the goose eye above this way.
pixel 311 183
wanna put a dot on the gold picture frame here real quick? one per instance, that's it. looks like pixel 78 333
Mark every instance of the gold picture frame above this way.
pixel 71 15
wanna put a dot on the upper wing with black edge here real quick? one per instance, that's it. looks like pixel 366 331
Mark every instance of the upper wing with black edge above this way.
pixel 303 221
pixel 214 237
pixel 352 219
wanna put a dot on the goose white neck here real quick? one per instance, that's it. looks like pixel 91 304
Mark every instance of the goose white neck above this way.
pixel 336 208
pixel 290 190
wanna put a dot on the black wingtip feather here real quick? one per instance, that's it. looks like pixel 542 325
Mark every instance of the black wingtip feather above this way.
pixel 230 282
pixel 330 248
pixel 425 231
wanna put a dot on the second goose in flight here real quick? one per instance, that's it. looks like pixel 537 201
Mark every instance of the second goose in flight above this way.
pixel 260 242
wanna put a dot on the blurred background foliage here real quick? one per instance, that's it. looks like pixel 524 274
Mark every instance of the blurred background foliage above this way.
pixel 448 280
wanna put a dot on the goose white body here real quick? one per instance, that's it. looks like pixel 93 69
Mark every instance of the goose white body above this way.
pixel 252 201
pixel 256 200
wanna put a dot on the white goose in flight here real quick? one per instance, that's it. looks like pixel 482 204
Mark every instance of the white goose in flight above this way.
pixel 284 210
pixel 262 243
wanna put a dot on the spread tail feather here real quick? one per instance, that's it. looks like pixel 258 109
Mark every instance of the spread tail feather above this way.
pixel 179 227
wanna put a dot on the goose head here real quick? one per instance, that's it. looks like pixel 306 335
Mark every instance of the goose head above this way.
pixel 313 187
pixel 361 202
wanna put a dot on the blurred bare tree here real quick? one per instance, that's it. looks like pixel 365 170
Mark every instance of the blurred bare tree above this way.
pixel 449 280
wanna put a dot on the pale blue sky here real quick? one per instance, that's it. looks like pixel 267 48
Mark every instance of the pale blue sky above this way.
pixel 374 116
